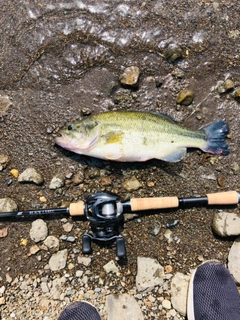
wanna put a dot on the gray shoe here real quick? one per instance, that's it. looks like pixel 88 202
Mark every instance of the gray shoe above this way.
pixel 80 311
pixel 213 294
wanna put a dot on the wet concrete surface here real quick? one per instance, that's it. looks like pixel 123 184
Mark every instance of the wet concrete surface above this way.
pixel 61 57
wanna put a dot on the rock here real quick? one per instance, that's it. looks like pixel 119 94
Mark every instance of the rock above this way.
pixel 131 184
pixel 57 182
pixel 67 227
pixel 58 260
pixel 166 304
pixel 149 274
pixel 226 223
pixel 168 235
pixel 34 249
pixel 5 103
pixel 220 87
pixel 130 76
pixel 8 205
pixel 237 95
pixel 4 161
pixel 228 85
pixel 173 53
pixel 67 238
pixel 185 97
pixel 155 229
pixel 57 287
pixel 31 175
pixel 52 243
pixel 39 230
pixel 225 86
pixel 234 260
pixel 111 267
pixel 15 173
pixel 2 301
pixel 123 306
pixel 78 178
pixel 3 232
pixel 179 291
pixel 86 261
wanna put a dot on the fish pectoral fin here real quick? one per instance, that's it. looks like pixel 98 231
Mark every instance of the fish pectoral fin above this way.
pixel 175 156
pixel 113 136
pixel 112 156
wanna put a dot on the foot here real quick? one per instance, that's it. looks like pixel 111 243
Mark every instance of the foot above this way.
pixel 213 294
pixel 80 311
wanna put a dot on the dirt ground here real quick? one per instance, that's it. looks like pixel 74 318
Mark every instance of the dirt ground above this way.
pixel 62 59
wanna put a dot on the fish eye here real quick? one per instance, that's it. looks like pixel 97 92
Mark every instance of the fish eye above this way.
pixel 70 127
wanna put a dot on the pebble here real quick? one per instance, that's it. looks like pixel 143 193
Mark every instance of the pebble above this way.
pixel 39 230
pixel 156 229
pixel 8 205
pixel 130 76
pixel 179 291
pixel 225 86
pixel 226 223
pixel 237 95
pixel 57 182
pixel 131 184
pixel 52 243
pixel 111 267
pixel 234 260
pixel 4 161
pixel 58 260
pixel 68 238
pixel 185 97
pixel 78 178
pixel 3 232
pixel 5 103
pixel 67 227
pixel 15 173
pixel 31 175
pixel 166 304
pixel 168 234
pixel 172 223
pixel 123 306
pixel 173 53
pixel 86 261
pixel 149 274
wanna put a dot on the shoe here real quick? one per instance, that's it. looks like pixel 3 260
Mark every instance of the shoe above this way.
pixel 80 311
pixel 212 294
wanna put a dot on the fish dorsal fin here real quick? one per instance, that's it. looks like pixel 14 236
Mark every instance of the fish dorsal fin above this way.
pixel 165 116
pixel 175 156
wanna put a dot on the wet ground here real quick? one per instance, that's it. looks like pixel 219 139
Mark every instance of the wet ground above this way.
pixel 58 59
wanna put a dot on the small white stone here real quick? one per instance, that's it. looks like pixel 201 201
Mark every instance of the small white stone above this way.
pixel 166 304
pixel 84 260
pixel 111 267
pixel 58 260
pixel 39 230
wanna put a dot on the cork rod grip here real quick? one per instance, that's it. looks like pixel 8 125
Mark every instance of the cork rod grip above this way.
pixel 228 197
pixel 76 209
pixel 139 204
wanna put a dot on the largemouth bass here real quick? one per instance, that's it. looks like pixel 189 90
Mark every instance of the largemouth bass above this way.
pixel 140 136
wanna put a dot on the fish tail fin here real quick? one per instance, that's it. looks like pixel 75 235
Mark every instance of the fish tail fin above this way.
pixel 216 134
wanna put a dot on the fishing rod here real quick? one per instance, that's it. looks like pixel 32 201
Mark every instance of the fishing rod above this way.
pixel 105 213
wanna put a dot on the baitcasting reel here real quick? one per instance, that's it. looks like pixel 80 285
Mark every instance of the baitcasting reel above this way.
pixel 105 214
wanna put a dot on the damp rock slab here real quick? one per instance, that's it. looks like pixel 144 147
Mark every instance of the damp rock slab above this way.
pixel 149 274
pixel 124 307
pixel 226 224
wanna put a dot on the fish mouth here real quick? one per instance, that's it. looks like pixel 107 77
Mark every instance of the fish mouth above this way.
pixel 61 140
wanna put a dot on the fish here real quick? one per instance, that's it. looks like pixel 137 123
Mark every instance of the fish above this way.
pixel 132 136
